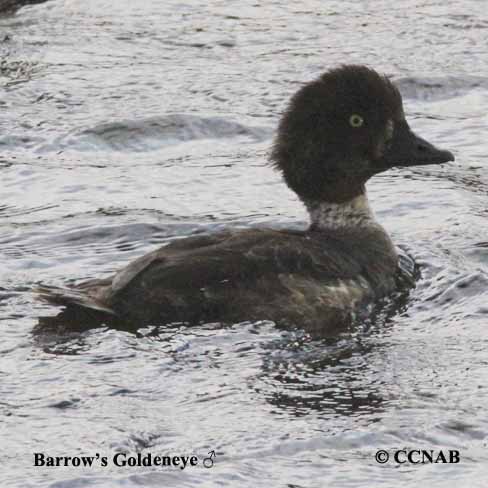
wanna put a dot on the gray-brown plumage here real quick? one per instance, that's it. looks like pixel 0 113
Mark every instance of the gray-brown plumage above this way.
pixel 337 132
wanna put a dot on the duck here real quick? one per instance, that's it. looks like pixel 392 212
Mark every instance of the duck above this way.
pixel 338 131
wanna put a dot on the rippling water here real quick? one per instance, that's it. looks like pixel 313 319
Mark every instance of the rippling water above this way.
pixel 126 124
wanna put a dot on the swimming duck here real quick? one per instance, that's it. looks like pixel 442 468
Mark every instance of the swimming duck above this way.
pixel 338 131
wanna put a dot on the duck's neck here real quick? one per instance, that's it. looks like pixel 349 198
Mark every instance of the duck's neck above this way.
pixel 352 214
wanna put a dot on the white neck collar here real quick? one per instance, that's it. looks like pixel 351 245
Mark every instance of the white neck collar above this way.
pixel 353 213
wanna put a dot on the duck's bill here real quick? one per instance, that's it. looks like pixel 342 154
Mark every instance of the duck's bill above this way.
pixel 408 149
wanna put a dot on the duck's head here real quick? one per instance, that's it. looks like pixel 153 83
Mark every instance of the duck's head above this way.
pixel 343 128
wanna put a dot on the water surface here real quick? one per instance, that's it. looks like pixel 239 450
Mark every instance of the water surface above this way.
pixel 127 124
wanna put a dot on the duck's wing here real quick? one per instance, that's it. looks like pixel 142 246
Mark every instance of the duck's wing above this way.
pixel 235 257
pixel 96 293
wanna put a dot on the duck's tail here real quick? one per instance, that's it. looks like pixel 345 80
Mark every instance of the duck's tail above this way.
pixel 81 310
pixel 71 297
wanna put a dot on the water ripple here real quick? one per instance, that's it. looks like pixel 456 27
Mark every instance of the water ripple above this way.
pixel 157 132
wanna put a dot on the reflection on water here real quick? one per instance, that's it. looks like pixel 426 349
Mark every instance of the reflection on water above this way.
pixel 125 125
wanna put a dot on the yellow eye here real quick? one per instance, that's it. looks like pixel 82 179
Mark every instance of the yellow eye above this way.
pixel 356 121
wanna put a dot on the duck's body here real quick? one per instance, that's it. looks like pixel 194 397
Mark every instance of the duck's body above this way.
pixel 317 279
pixel 290 277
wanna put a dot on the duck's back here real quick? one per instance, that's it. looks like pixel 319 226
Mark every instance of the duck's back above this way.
pixel 309 279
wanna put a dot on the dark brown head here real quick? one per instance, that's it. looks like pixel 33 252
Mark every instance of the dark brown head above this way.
pixel 343 128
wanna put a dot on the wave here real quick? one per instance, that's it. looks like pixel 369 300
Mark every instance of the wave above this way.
pixel 156 132
pixel 439 88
